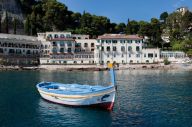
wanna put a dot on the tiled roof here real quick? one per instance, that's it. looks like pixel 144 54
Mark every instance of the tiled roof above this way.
pixel 119 36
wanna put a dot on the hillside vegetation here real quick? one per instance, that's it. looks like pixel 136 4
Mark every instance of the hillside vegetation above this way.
pixel 51 15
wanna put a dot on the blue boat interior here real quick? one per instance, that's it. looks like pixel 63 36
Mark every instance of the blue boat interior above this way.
pixel 70 89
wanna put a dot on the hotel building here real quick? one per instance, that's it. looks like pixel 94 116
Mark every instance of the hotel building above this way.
pixel 65 48
pixel 123 49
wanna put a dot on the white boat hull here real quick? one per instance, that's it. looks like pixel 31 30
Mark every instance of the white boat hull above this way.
pixel 104 99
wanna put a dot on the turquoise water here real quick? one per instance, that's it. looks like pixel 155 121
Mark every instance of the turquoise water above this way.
pixel 145 98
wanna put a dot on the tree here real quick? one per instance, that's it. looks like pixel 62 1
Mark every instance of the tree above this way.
pixel 56 15
pixel 15 25
pixel 0 23
pixel 6 23
pixel 156 32
pixel 120 28
pixel 27 26
pixel 144 28
pixel 132 27
pixel 164 16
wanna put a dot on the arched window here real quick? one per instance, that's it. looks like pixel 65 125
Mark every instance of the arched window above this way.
pixel 56 36
pixel 62 36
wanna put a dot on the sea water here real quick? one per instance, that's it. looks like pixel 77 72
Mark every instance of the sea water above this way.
pixel 145 98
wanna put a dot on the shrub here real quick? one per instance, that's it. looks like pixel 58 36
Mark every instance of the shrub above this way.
pixel 166 61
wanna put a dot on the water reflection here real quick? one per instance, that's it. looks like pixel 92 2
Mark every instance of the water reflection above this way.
pixel 70 116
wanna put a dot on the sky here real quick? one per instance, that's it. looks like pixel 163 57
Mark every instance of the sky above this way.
pixel 120 10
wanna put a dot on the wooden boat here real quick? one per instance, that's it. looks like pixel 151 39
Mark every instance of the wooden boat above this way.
pixel 80 95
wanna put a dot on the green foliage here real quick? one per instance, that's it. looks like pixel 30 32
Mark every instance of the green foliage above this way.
pixel 15 25
pixel 166 61
pixel 27 26
pixel 5 24
pixel 164 16
pixel 132 27
pixel 51 15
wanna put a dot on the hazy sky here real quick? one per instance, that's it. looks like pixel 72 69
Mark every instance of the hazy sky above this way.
pixel 120 10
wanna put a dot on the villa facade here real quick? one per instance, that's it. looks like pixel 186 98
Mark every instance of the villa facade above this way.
pixel 123 49
pixel 65 48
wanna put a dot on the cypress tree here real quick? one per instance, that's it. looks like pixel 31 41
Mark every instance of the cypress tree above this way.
pixel 15 25
pixel 0 23
pixel 6 23
pixel 27 26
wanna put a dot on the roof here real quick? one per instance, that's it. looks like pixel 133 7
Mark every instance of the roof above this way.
pixel 120 36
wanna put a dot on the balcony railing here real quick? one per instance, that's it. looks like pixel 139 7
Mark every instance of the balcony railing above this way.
pixel 70 56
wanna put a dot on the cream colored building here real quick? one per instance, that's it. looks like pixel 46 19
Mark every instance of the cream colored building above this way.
pixel 65 48
pixel 123 49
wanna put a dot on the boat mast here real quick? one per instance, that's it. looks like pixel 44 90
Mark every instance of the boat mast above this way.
pixel 112 73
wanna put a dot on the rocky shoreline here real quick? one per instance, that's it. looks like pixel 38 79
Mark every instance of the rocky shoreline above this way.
pixel 96 67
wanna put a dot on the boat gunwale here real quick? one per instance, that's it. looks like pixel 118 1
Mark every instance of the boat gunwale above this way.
pixel 75 96
pixel 105 90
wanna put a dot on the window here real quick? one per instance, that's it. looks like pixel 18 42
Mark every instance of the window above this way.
pixel 92 44
pixel 18 51
pixel 137 41
pixel 102 41
pixel 137 48
pixel 150 55
pixel 144 55
pixel 121 41
pixel 85 45
pixel 79 37
pixel 129 55
pixel 129 41
pixel 108 48
pixel 129 48
pixel 49 36
pixel 11 51
pixel 69 50
pixel 62 50
pixel 122 55
pixel 1 50
pixel 28 52
pixel 114 41
pixel 62 36
pixel 108 55
pixel 92 50
pixel 54 44
pixel 62 43
pixel 56 36
pixel 102 48
pixel 54 50
pixel 108 41
pixel 137 55
pixel 114 48
pixel 114 55
pixel 122 48
pixel 69 44
pixel 155 54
